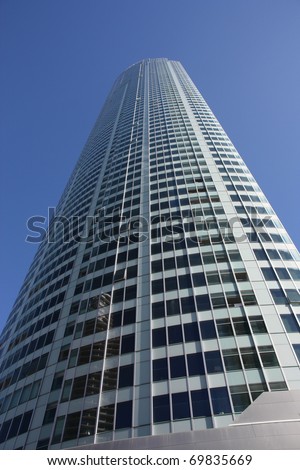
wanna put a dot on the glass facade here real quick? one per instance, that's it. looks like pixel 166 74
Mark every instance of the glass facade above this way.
pixel 165 295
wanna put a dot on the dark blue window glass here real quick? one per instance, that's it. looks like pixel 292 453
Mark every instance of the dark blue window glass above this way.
pixel 213 362
pixel 124 415
pixel 173 307
pixel 187 305
pixel 297 350
pixel 161 408
pixel 290 323
pixel 160 369
pixel 199 280
pixel 200 403
pixel 177 366
pixel 158 310
pixel 126 376
pixel 159 337
pixel 220 400
pixel 191 332
pixel 203 303
pixel 278 296
pixel 195 364
pixel 175 334
pixel 180 405
pixel 208 330
pixel 127 344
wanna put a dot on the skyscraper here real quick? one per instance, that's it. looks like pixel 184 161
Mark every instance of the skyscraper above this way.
pixel 164 297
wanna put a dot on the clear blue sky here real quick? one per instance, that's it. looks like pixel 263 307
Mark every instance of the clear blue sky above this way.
pixel 59 59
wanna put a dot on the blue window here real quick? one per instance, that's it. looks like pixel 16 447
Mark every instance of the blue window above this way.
pixel 269 274
pixel 191 332
pixel 158 310
pixel 175 334
pixel 297 350
pixel 278 296
pixel 180 405
pixel 208 330
pixel 187 304
pixel 161 408
pixel 173 307
pixel 126 376
pixel 124 415
pixel 195 364
pixel 213 362
pixel 290 323
pixel 159 337
pixel 199 280
pixel 177 366
pixel 203 303
pixel 160 369
pixel 220 400
pixel 128 343
pixel 200 403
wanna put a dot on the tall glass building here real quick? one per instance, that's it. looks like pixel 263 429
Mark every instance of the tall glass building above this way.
pixel 164 297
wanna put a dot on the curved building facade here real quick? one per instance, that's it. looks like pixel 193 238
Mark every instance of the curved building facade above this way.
pixel 164 297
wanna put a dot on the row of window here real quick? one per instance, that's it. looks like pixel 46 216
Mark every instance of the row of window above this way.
pixel 225 326
pixel 96 351
pixel 27 369
pixel 193 364
pixel 29 348
pixel 100 323
pixel 16 426
pixel 90 384
pixel 34 328
pixel 19 396
pixel 52 302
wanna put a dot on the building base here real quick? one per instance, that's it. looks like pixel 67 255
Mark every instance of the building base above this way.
pixel 271 422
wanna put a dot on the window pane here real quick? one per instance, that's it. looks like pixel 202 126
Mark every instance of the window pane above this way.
pixel 199 280
pixel 177 366
pixel 78 387
pixel 278 296
pixel 290 323
pixel 158 310
pixel 241 326
pixel 240 401
pixel 208 330
pixel 191 332
pixel 110 379
pixel 124 415
pixel 224 328
pixel 93 383
pixel 128 342
pixel 213 361
pixel 161 408
pixel 203 303
pixel 195 364
pixel 175 334
pixel 160 369
pixel 220 400
pixel 232 362
pixel 269 274
pixel 173 307
pixel 88 422
pixel 187 305
pixel 159 337
pixel 180 405
pixel 129 316
pixel 71 427
pixel 200 403
pixel 126 376
pixel 106 418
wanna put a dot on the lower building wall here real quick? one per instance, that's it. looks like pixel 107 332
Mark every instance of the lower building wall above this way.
pixel 271 422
